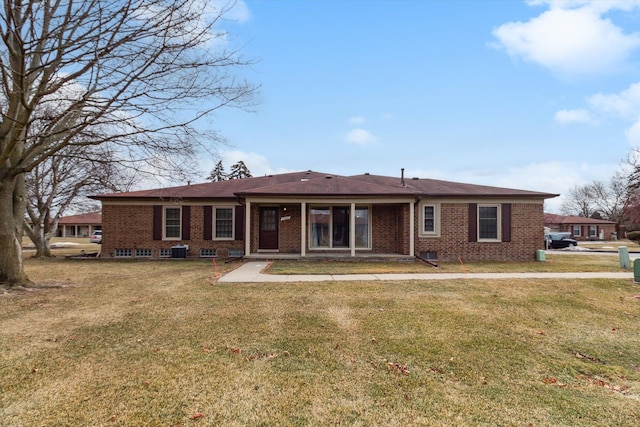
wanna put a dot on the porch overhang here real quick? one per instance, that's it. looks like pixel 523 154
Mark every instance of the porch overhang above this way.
pixel 305 203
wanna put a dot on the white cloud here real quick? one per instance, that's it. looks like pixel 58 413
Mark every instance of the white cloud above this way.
pixel 555 177
pixel 625 104
pixel 239 12
pixel 358 120
pixel 633 134
pixel 360 137
pixel 574 116
pixel 571 38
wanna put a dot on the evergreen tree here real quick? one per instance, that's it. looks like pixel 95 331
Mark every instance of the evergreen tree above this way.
pixel 218 173
pixel 239 170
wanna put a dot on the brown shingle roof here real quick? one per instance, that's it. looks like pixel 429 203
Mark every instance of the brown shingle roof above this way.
pixel 435 187
pixel 311 183
pixel 329 185
pixel 569 219
pixel 92 218
pixel 209 190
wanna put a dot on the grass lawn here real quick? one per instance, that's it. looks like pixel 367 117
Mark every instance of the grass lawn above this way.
pixel 553 263
pixel 164 344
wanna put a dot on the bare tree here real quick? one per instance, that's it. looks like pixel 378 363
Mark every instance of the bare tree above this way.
pixel 59 181
pixel 601 199
pixel 610 197
pixel 145 69
pixel 579 202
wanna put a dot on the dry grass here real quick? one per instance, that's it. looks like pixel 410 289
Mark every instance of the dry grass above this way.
pixel 163 344
pixel 553 263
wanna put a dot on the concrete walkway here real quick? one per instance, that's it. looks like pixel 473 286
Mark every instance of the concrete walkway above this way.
pixel 251 272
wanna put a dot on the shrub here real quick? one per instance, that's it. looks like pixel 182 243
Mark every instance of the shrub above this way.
pixel 634 235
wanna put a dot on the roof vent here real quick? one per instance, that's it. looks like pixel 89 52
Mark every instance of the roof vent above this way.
pixel 415 178
pixel 328 176
pixel 366 173
pixel 304 179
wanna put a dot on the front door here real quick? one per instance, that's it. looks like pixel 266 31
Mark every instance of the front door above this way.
pixel 268 228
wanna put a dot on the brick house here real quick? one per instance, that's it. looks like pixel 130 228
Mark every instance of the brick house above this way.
pixel 80 225
pixel 312 214
pixel 580 227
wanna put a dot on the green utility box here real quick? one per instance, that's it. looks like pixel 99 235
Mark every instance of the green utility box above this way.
pixel 623 251
pixel 636 271
pixel 540 256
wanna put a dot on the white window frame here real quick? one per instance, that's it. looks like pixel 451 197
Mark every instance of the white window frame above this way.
pixel 593 231
pixel 330 207
pixel 233 223
pixel 164 223
pixel 577 228
pixel 436 219
pixel 498 237
pixel 369 217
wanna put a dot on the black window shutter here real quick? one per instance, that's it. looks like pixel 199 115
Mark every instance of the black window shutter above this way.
pixel 208 223
pixel 506 222
pixel 157 222
pixel 473 222
pixel 186 223
pixel 239 223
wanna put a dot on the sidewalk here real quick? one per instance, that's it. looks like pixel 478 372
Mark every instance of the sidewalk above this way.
pixel 251 272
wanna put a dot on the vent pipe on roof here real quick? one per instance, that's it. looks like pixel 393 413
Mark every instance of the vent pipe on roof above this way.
pixel 402 176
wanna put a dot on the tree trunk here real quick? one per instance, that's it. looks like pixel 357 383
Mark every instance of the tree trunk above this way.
pixel 40 237
pixel 12 208
pixel 42 244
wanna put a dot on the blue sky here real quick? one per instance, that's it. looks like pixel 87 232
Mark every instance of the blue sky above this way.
pixel 537 95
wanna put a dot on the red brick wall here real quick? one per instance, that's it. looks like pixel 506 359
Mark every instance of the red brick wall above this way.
pixel 290 229
pixel 527 235
pixel 131 227
pixel 607 229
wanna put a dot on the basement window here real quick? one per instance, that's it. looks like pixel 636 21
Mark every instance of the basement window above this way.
pixel 143 253
pixel 207 253
pixel 122 253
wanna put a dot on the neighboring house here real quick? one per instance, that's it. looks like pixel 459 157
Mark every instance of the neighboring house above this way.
pixel 81 225
pixel 307 214
pixel 580 227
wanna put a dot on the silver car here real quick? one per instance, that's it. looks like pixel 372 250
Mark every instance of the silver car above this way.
pixel 96 237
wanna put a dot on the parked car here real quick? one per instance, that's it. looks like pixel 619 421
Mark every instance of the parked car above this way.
pixel 96 237
pixel 559 241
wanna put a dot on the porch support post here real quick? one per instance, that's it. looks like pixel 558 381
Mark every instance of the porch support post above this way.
pixel 247 228
pixel 352 230
pixel 412 225
pixel 303 229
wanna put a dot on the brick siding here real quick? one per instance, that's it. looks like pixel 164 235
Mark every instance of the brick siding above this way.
pixel 131 227
pixel 527 235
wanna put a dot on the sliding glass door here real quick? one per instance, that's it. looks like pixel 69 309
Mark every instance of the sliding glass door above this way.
pixel 330 226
